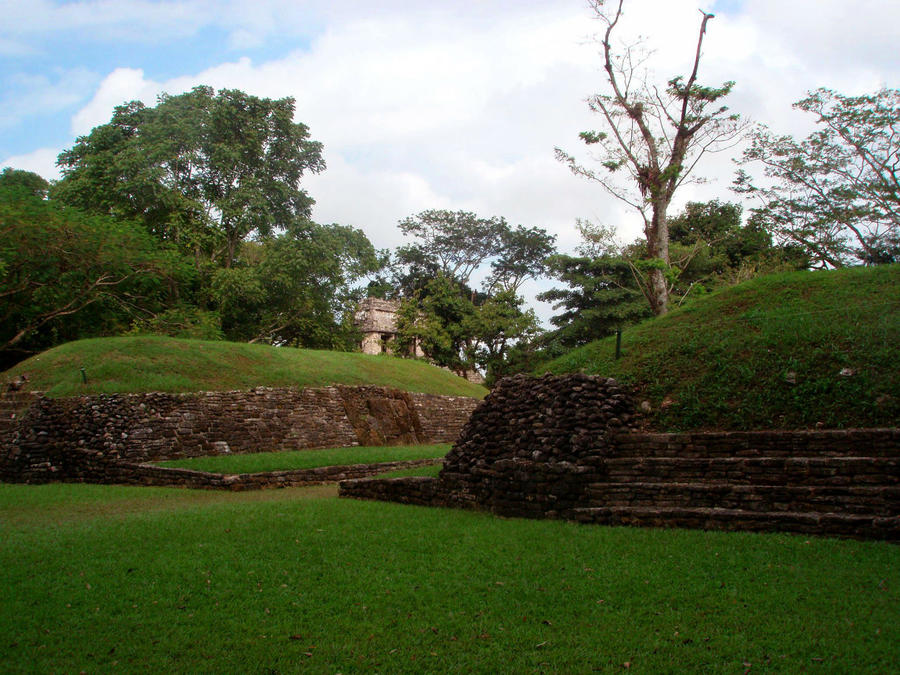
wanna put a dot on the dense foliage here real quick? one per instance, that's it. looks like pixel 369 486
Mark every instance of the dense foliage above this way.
pixel 65 273
pixel 186 219
pixel 206 170
pixel 454 325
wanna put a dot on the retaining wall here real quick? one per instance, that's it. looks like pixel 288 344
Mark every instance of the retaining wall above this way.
pixel 40 438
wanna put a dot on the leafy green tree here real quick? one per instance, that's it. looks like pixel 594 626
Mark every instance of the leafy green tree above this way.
pixel 455 244
pixel 522 255
pixel 711 248
pixel 456 326
pixel 601 296
pixel 836 193
pixel 495 328
pixel 438 319
pixel 206 170
pixel 296 288
pixel 452 244
pixel 28 182
pixel 655 138
pixel 65 274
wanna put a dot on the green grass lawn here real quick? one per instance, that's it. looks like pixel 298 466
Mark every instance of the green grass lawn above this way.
pixel 153 363
pixel 107 578
pixel 308 459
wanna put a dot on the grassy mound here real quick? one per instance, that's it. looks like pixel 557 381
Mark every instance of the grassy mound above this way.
pixel 785 351
pixel 140 364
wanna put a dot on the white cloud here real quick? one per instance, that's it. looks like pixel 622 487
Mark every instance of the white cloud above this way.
pixel 41 162
pixel 459 105
pixel 120 86
pixel 27 97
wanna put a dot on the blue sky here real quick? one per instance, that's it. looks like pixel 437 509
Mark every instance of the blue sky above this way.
pixel 427 104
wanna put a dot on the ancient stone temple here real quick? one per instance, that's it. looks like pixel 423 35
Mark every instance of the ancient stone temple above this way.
pixel 377 321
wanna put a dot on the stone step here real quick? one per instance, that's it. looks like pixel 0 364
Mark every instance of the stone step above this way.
pixel 837 471
pixel 858 500
pixel 831 443
pixel 827 524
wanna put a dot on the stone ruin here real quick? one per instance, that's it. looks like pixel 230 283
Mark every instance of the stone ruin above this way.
pixel 376 319
pixel 570 447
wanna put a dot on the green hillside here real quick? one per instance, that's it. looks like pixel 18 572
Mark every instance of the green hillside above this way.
pixel 795 350
pixel 137 364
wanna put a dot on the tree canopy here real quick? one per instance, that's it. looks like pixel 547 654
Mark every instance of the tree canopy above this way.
pixel 836 193
pixel 455 325
pixel 64 272
pixel 203 169
pixel 185 219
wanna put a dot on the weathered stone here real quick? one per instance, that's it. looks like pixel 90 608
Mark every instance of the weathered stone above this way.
pixel 522 454
pixel 49 438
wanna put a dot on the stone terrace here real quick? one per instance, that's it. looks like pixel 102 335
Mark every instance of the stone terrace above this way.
pixel 565 447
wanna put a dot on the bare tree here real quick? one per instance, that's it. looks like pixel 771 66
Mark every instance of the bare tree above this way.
pixel 655 137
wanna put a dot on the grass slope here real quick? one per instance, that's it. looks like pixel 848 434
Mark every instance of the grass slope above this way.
pixel 107 578
pixel 139 364
pixel 726 360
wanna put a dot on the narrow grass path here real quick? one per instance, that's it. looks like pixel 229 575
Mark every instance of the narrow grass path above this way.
pixel 102 578
pixel 308 459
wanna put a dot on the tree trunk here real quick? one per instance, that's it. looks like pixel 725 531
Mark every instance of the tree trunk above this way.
pixel 659 292
pixel 658 248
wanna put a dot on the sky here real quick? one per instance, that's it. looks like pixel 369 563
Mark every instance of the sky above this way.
pixel 430 104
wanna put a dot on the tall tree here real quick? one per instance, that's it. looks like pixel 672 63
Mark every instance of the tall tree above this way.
pixel 455 325
pixel 498 325
pixel 438 319
pixel 454 244
pixel 655 138
pixel 451 243
pixel 837 192
pixel 601 295
pixel 29 183
pixel 522 255
pixel 204 169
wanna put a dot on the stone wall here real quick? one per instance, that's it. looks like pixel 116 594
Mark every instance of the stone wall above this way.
pixel 136 428
pixel 565 447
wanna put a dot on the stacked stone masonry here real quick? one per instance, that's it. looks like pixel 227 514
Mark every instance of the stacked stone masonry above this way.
pixel 44 439
pixel 566 447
